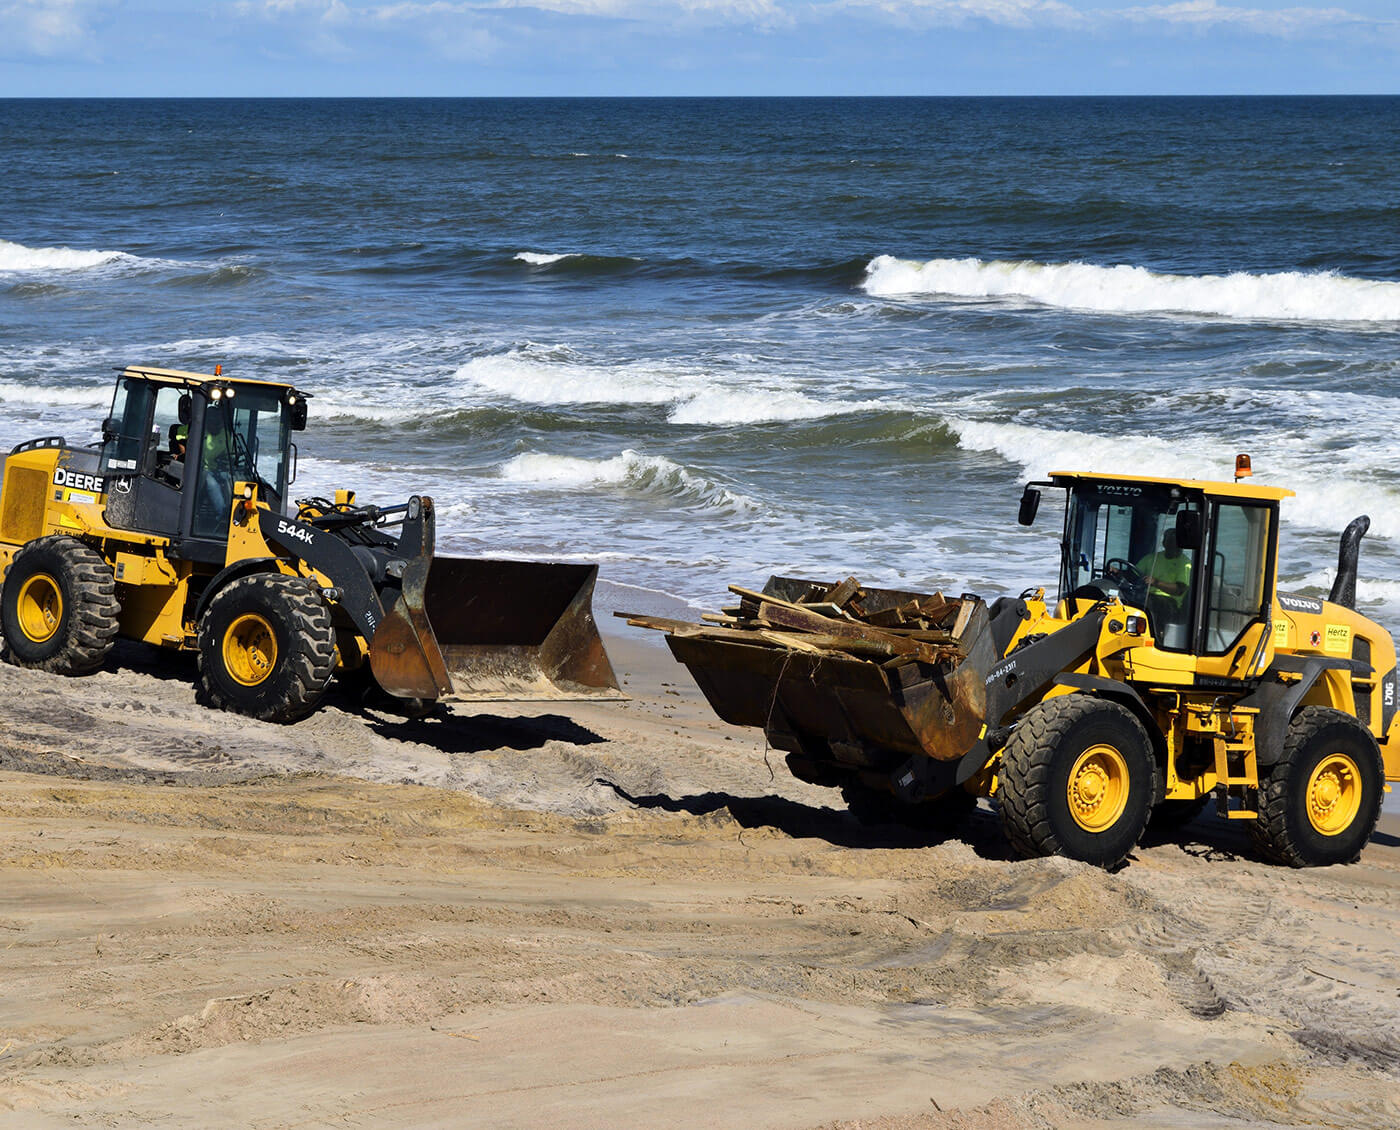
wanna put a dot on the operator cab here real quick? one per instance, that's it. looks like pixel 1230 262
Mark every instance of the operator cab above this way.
pixel 1197 557
pixel 1139 543
pixel 175 444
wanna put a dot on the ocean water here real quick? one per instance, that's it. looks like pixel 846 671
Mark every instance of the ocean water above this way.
pixel 699 341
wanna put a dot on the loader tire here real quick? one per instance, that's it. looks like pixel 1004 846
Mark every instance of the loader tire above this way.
pixel 266 648
pixel 59 609
pixel 1319 804
pixel 1077 779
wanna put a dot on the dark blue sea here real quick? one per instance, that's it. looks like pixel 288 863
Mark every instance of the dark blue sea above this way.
pixel 699 341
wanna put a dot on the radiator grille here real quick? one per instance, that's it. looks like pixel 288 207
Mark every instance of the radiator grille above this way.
pixel 22 511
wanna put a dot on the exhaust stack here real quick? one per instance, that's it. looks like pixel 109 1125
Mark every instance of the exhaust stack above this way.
pixel 1344 587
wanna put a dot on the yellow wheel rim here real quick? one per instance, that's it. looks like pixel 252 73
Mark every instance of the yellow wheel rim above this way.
pixel 1098 788
pixel 40 607
pixel 250 649
pixel 1334 794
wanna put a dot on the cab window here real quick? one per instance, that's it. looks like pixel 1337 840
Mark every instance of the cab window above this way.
pixel 1122 543
pixel 128 421
pixel 1238 564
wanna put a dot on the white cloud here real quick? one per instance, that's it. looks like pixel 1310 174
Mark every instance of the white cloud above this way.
pixel 412 11
pixel 1277 21
pixel 1204 14
pixel 423 15
pixel 1007 13
pixel 45 27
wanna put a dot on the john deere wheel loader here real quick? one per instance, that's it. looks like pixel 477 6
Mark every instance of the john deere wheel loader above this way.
pixel 175 530
pixel 1169 671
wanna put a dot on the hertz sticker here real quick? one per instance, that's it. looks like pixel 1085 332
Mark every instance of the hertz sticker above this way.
pixel 1338 640
pixel 1280 633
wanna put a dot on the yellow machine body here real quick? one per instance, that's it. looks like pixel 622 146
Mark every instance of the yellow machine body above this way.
pixel 1170 669
pixel 187 495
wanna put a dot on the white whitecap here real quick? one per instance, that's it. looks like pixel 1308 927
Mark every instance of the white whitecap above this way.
pixel 647 474
pixel 695 397
pixel 543 259
pixel 1325 500
pixel 1124 289
pixel 723 406
pixel 523 377
pixel 14 392
pixel 16 257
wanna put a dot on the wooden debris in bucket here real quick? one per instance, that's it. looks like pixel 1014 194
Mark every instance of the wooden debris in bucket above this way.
pixel 832 619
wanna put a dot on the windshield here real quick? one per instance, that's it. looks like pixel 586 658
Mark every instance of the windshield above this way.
pixel 1122 542
pixel 245 440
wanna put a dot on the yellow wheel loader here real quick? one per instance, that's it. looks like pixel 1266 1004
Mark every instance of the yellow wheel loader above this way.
pixel 175 530
pixel 1169 671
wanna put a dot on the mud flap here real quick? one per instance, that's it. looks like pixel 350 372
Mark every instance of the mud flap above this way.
pixel 477 630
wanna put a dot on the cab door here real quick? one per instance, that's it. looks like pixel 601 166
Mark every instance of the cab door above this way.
pixel 1235 637
pixel 140 457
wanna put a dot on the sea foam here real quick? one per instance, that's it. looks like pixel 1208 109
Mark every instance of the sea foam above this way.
pixel 695 396
pixel 1325 499
pixel 1284 296
pixel 542 259
pixel 18 257
pixel 13 392
pixel 645 474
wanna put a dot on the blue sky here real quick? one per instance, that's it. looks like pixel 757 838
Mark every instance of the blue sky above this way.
pixel 661 47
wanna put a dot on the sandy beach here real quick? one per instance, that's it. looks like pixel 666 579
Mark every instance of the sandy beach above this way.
pixel 627 916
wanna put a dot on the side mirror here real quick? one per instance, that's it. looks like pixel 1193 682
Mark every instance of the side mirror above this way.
pixel 298 414
pixel 1188 529
pixel 1030 504
pixel 183 409
pixel 109 429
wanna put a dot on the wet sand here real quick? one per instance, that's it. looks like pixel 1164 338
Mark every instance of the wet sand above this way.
pixel 627 916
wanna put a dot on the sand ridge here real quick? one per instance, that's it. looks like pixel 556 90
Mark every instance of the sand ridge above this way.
pixel 627 916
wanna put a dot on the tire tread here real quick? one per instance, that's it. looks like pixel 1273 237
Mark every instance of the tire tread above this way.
pixel 92 608
pixel 311 644
pixel 1271 832
pixel 1026 762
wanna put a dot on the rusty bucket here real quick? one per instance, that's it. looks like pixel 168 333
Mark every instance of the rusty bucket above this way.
pixel 479 630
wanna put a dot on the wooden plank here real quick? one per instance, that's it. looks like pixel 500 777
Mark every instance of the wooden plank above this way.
pixel 759 598
pixel 964 615
pixel 843 593
pixel 799 619
pixel 659 623
pixel 827 608
pixel 791 641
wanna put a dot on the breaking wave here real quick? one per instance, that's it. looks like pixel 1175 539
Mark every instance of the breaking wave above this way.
pixel 540 259
pixel 631 470
pixel 1324 500
pixel 1285 296
pixel 17 257
pixel 724 406
pixel 13 392
pixel 577 263
pixel 695 397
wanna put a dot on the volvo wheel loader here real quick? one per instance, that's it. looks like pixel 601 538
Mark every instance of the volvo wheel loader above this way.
pixel 1169 671
pixel 175 530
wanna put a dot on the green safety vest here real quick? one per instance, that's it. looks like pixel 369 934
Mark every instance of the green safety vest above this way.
pixel 1173 570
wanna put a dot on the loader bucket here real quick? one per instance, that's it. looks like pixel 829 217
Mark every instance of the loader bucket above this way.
pixel 476 630
pixel 840 707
